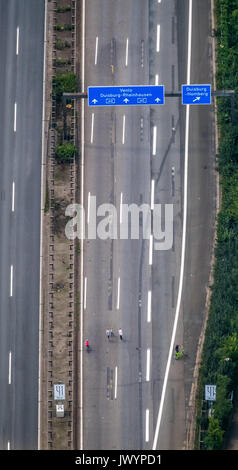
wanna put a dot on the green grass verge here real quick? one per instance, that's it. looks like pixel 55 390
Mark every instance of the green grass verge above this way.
pixel 220 354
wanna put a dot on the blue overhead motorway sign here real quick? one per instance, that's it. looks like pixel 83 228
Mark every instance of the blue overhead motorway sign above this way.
pixel 196 94
pixel 125 95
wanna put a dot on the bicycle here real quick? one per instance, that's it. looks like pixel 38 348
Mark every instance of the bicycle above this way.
pixel 179 351
pixel 88 347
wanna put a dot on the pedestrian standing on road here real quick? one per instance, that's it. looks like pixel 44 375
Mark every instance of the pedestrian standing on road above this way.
pixel 111 332
pixel 120 333
pixel 108 333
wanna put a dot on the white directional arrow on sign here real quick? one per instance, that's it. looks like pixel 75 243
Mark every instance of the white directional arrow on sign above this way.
pixel 126 100
pixel 196 99
pixel 94 101
pixel 157 99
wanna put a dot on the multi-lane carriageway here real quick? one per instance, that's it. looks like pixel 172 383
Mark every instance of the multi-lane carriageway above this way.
pixel 134 396
pixel 21 77
pixel 132 392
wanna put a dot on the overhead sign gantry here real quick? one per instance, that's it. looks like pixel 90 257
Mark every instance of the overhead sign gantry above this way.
pixel 192 94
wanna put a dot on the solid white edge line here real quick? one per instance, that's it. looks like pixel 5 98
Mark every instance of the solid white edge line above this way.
pixel 148 365
pixel 115 391
pixel 158 38
pixel 82 240
pixel 96 51
pixel 8 445
pixel 10 369
pixel 15 117
pixel 149 307
pixel 157 429
pixel 41 230
pixel 85 293
pixel 154 140
pixel 92 128
pixel 13 196
pixel 17 41
pixel 147 425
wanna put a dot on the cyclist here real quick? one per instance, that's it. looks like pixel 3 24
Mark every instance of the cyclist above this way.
pixel 87 345
pixel 179 351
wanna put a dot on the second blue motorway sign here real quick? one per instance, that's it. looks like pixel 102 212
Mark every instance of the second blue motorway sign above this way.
pixel 196 94
pixel 125 95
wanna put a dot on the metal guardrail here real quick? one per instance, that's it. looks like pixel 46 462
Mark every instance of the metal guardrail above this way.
pixel 51 261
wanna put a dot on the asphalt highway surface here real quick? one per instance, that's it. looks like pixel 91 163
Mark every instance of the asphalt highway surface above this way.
pixel 21 76
pixel 135 395
pixel 137 155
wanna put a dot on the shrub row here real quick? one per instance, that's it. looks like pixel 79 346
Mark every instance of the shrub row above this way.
pixel 64 83
pixel 220 354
